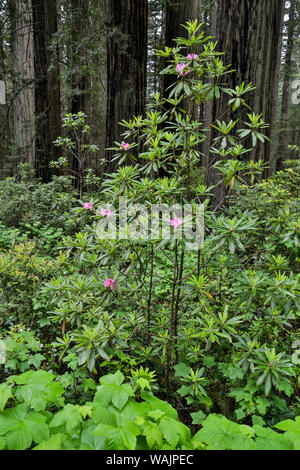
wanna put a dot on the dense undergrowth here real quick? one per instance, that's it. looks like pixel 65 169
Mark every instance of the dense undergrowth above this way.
pixel 193 348
pixel 237 347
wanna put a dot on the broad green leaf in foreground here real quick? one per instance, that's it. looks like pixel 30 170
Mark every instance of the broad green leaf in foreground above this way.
pixel 21 427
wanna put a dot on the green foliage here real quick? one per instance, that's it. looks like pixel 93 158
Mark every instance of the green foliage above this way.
pixel 35 416
pixel 114 420
pixel 21 271
pixel 76 146
pixel 239 298
pixel 218 433
pixel 9 236
pixel 24 202
pixel 22 350
pixel 219 325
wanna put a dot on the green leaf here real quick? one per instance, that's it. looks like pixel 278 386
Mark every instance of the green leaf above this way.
pixel 185 390
pixel 209 361
pixel 85 411
pixel 117 379
pixel 144 383
pixel 54 443
pixel 111 392
pixel 169 432
pixel 114 437
pixel 5 395
pixel 289 425
pixel 262 404
pixel 21 426
pixel 240 413
pixel 198 417
pixel 285 386
pixel 267 439
pixel 89 441
pixel 69 418
pixel 88 384
pixel 44 322
pixel 268 385
pixel 182 370
pixel 130 431
pixel 221 434
pixel 257 420
pixel 2 443
pixel 156 403
pixel 66 380
pixel 121 395
pixel 104 414
pixel 38 389
pixel 134 410
pixel 156 414
pixel 233 372
pixel 153 435
pixel 36 360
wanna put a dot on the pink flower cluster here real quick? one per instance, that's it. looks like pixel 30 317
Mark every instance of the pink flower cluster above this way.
pixel 192 56
pixel 111 283
pixel 88 205
pixel 176 222
pixel 125 146
pixel 182 69
pixel 106 213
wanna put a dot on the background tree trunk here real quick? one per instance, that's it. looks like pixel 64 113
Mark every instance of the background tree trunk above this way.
pixel 80 77
pixel 47 90
pixel 126 21
pixel 283 132
pixel 23 79
pixel 2 106
pixel 248 31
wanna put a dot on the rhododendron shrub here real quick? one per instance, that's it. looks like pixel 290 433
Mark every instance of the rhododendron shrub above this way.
pixel 167 305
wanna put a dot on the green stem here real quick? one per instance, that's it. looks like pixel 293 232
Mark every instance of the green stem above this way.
pixel 171 326
pixel 179 282
pixel 150 294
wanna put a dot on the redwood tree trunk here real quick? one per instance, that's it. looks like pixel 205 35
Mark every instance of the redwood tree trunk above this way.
pixel 2 106
pixel 80 77
pixel 283 135
pixel 126 65
pixel 248 31
pixel 23 79
pixel 47 90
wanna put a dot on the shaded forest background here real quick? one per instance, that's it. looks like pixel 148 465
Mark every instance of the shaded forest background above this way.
pixel 97 56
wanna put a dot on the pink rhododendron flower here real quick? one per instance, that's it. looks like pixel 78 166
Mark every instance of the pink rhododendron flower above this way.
pixel 125 146
pixel 106 213
pixel 176 222
pixel 111 283
pixel 181 68
pixel 192 56
pixel 88 205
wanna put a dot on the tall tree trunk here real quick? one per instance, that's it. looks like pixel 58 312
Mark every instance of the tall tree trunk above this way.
pixel 2 105
pixel 208 106
pixel 156 29
pixel 274 130
pixel 248 31
pixel 80 76
pixel 79 13
pixel 47 90
pixel 23 79
pixel 283 140
pixel 126 65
